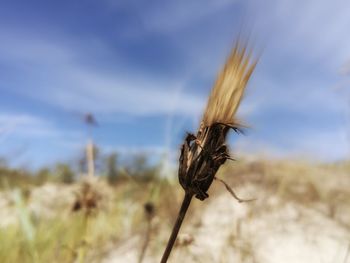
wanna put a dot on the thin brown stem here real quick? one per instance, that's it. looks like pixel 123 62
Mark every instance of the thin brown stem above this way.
pixel 147 239
pixel 228 188
pixel 180 217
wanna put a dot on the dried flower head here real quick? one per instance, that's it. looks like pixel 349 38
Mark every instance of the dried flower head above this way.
pixel 203 154
pixel 92 195
pixel 149 209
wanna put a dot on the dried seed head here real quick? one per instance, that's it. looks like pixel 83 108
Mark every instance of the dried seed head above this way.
pixel 202 155
pixel 149 209
pixel 229 87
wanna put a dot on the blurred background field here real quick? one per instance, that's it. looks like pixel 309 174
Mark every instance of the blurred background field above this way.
pixel 301 214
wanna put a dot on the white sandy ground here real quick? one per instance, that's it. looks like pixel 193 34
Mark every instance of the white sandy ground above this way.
pixel 229 232
pixel 44 201
pixel 264 231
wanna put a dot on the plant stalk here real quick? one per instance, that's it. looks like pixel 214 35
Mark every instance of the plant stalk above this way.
pixel 180 217
pixel 147 239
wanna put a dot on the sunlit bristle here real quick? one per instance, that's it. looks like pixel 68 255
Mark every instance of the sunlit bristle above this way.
pixel 228 90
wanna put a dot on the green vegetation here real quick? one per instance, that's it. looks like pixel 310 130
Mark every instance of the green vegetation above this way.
pixel 112 172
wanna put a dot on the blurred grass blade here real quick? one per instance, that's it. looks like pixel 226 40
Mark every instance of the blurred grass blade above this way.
pixel 23 216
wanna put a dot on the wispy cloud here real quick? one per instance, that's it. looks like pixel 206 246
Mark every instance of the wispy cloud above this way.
pixel 167 17
pixel 324 145
pixel 174 15
pixel 19 127
pixel 52 72
pixel 308 30
pixel 24 125
pixel 26 137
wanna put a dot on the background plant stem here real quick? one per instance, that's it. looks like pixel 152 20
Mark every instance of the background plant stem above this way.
pixel 147 239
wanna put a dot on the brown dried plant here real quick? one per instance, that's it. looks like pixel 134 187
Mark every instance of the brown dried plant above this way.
pixel 203 154
pixel 149 209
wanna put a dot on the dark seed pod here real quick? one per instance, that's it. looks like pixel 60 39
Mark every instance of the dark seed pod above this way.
pixel 200 159
pixel 149 209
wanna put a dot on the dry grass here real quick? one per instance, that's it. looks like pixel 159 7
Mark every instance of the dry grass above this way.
pixel 106 218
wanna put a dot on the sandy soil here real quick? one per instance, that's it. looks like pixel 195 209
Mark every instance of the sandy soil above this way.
pixel 267 231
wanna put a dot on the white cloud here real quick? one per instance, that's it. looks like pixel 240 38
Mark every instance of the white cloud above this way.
pixel 173 15
pixel 312 29
pixel 302 95
pixel 27 48
pixel 167 17
pixel 52 73
pixel 23 126
pixel 98 92
pixel 323 145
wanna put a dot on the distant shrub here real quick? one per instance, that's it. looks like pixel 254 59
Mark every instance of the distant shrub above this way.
pixel 140 168
pixel 64 173
pixel 112 172
pixel 11 177
pixel 43 175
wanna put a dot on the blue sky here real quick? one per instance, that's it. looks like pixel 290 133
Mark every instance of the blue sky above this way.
pixel 145 68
